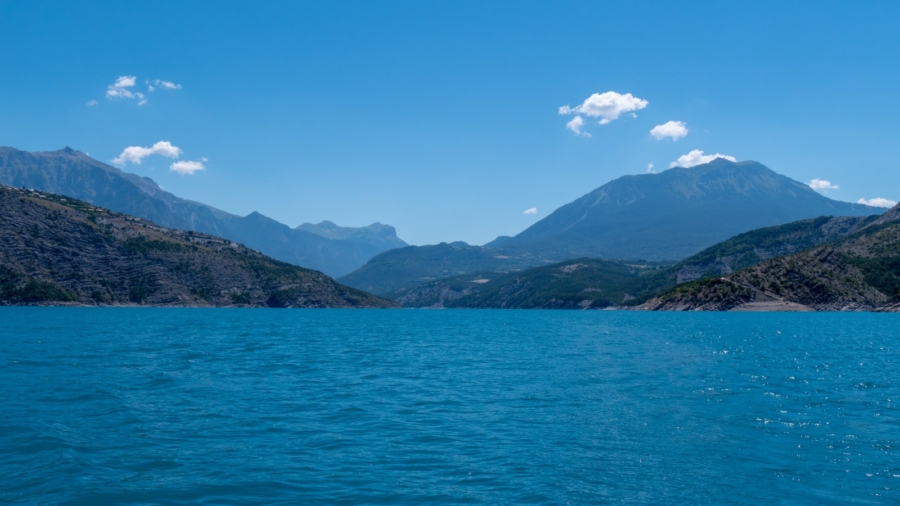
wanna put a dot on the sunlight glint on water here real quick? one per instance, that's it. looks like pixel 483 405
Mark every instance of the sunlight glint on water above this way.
pixel 111 406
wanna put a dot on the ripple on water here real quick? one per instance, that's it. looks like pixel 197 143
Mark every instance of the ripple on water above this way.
pixel 111 406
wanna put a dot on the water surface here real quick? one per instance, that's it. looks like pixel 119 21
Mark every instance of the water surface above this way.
pixel 232 406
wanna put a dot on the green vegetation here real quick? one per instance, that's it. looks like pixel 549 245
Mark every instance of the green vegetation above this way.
pixel 858 271
pixel 392 273
pixel 606 283
pixel 16 288
pixel 58 254
pixel 881 273
pixel 582 283
pixel 727 294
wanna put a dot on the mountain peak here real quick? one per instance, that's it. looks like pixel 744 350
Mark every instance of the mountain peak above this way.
pixel 678 212
pixel 70 172
pixel 376 232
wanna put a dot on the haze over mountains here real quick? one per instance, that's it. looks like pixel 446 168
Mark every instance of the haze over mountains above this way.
pixel 636 223
pixel 325 246
pixel 663 217
pixel 586 283
pixel 678 212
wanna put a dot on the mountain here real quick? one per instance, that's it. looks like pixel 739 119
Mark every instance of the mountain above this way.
pixel 56 249
pixel 678 212
pixel 582 283
pixel 333 250
pixel 747 249
pixel 665 216
pixel 376 234
pixel 585 283
pixel 391 273
pixel 859 272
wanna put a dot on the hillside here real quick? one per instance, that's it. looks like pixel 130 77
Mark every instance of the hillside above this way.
pixel 661 217
pixel 505 290
pixel 325 246
pixel 392 273
pixel 748 249
pixel 678 212
pixel 575 284
pixel 859 272
pixel 57 249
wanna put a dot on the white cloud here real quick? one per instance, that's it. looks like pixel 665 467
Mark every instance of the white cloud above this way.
pixel 163 85
pixel 185 167
pixel 877 202
pixel 607 106
pixel 135 154
pixel 119 89
pixel 91 103
pixel 672 129
pixel 576 124
pixel 533 210
pixel 650 168
pixel 696 157
pixel 822 185
pixel 125 82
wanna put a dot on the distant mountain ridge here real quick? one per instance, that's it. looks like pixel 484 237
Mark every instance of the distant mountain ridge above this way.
pixel 860 272
pixel 60 250
pixel 594 283
pixel 326 247
pixel 678 212
pixel 650 217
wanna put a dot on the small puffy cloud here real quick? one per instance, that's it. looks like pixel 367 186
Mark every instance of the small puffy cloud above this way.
pixel 533 210
pixel 135 154
pixel 822 185
pixel 606 106
pixel 670 130
pixel 124 82
pixel 696 157
pixel 91 103
pixel 650 168
pixel 120 89
pixel 185 167
pixel 877 202
pixel 576 124
pixel 162 85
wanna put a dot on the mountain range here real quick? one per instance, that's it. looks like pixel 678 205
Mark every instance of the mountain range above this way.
pixel 60 250
pixel 682 239
pixel 678 212
pixel 325 246
pixel 860 272
pixel 649 217
pixel 586 283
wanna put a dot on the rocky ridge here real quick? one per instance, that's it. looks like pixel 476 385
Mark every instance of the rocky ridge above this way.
pixel 327 247
pixel 860 272
pixel 60 250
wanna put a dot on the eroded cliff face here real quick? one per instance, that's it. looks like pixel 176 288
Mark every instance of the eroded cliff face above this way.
pixel 59 250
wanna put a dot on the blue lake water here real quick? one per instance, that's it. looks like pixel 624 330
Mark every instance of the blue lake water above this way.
pixel 252 406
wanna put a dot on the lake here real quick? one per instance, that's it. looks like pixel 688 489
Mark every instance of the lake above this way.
pixel 256 406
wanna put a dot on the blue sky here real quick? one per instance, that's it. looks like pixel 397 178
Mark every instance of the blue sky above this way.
pixel 442 118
